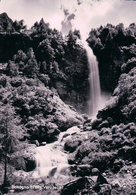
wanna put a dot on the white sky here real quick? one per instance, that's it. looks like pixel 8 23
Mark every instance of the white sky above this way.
pixel 89 14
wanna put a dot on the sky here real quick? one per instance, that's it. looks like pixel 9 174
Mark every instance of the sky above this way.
pixel 87 14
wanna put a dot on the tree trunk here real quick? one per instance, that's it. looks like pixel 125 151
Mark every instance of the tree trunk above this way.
pixel 5 173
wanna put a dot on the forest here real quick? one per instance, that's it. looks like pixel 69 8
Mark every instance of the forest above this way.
pixel 44 90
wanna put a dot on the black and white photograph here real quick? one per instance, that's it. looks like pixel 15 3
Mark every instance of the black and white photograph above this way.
pixel 68 97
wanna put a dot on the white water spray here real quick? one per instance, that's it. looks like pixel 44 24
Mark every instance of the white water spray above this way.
pixel 50 159
pixel 95 90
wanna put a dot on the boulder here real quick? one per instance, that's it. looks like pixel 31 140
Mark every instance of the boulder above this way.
pixel 35 142
pixel 83 184
pixel 86 185
pixel 43 143
pixel 95 171
pixel 24 159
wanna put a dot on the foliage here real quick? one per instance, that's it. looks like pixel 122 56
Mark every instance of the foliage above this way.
pixel 121 106
pixel 109 148
pixel 19 25
pixel 62 60
pixel 10 123
pixel 113 46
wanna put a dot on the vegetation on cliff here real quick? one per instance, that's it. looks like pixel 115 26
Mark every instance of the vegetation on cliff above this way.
pixel 113 46
pixel 60 62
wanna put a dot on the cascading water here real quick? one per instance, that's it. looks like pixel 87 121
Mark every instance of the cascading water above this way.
pixel 95 90
pixel 50 160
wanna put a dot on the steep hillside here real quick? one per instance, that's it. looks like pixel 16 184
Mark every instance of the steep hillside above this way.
pixel 63 60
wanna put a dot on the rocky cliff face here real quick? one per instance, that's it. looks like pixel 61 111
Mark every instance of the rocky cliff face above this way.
pixel 113 46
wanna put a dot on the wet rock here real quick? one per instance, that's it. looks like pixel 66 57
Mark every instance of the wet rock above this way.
pixel 53 132
pixel 101 180
pixel 22 163
pixel 102 186
pixel 87 185
pixel 66 119
pixel 35 142
pixel 52 172
pixel 43 143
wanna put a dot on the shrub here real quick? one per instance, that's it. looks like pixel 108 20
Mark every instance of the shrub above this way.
pixel 18 162
pixel 71 145
pixel 102 160
pixel 105 131
pixel 12 69
pixel 127 153
pixel 3 81
pixel 117 165
pixel 104 123
pixel 16 82
pixel 105 142
pixel 85 149
pixel 45 79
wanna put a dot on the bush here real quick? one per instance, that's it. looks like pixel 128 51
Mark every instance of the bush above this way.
pixel 105 131
pixel 16 82
pixel 105 142
pixel 104 123
pixel 127 153
pixel 85 149
pixel 18 162
pixel 71 145
pixel 45 79
pixel 3 81
pixel 12 69
pixel 117 165
pixel 102 160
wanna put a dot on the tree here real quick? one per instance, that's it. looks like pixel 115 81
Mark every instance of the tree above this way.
pixel 71 40
pixel 46 51
pixel 31 68
pixel 9 142
pixel 19 25
pixel 12 69
pixel 41 27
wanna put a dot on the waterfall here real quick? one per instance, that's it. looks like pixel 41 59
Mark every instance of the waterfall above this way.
pixel 95 90
pixel 50 159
